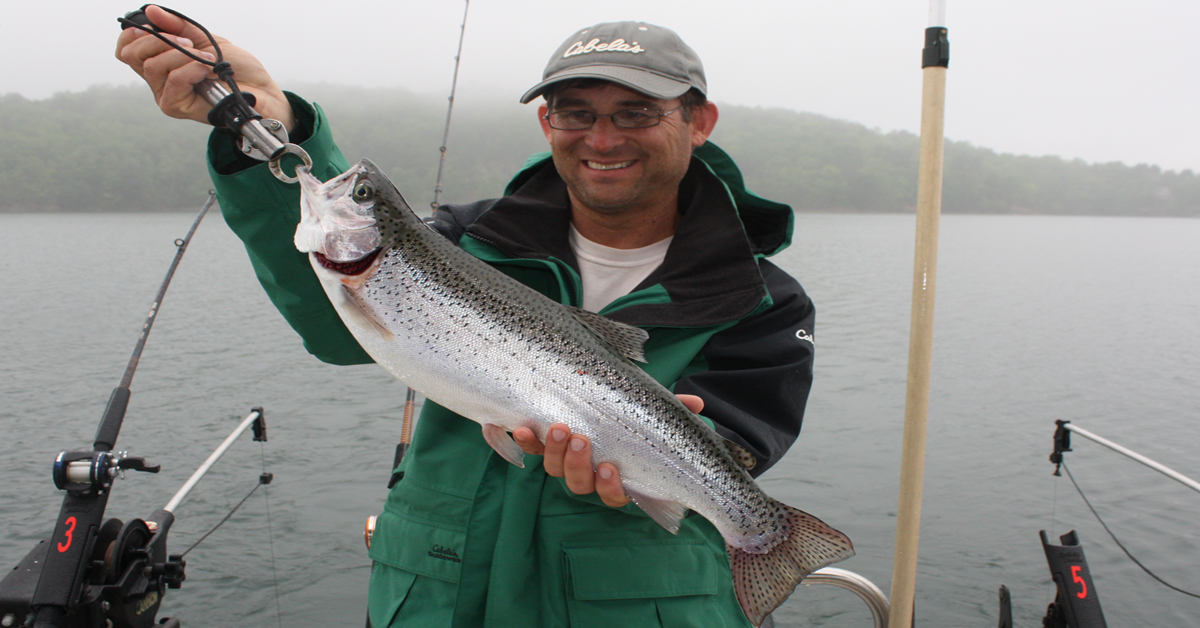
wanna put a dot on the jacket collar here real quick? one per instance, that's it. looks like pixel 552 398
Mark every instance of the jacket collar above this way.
pixel 710 275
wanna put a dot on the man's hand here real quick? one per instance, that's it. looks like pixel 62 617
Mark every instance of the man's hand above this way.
pixel 569 456
pixel 171 75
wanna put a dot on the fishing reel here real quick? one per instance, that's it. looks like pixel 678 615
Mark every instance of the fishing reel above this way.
pixel 122 570
pixel 125 577
pixel 93 472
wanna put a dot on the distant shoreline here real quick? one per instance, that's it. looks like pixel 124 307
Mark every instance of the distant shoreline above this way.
pixel 110 149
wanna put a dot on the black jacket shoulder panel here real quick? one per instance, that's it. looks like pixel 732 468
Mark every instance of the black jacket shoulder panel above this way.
pixel 760 373
pixel 452 220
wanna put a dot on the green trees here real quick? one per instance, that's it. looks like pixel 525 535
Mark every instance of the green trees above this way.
pixel 109 149
pixel 105 149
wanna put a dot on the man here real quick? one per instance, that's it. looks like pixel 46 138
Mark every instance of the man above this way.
pixel 634 215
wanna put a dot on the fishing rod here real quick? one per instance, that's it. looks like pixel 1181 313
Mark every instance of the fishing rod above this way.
pixel 437 188
pixel 92 571
pixel 410 397
pixel 128 575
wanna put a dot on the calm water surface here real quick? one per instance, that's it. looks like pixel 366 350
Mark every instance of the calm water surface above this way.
pixel 1038 318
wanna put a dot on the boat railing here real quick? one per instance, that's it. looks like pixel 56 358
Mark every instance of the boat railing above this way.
pixel 876 601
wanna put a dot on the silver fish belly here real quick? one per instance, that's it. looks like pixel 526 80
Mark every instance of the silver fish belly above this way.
pixel 497 352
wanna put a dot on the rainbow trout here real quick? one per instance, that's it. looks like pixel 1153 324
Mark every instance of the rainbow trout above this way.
pixel 483 345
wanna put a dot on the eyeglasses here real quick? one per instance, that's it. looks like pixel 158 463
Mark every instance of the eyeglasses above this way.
pixel 579 119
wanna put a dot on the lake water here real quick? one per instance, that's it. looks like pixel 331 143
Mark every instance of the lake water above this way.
pixel 1092 320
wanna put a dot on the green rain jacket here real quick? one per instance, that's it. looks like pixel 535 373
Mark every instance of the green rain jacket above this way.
pixel 467 539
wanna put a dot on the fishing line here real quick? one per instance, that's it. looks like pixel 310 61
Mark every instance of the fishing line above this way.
pixel 1115 540
pixel 271 536
pixel 263 480
pixel 219 524
pixel 1048 597
pixel 1054 512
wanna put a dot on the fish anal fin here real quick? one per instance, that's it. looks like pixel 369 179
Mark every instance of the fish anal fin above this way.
pixel 627 340
pixel 508 449
pixel 665 512
pixel 764 579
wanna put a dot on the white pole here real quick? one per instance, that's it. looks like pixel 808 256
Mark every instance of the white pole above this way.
pixel 1163 469
pixel 937 13
pixel 212 459
pixel 920 344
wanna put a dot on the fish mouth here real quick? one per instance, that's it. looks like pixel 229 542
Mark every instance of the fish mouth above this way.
pixel 349 269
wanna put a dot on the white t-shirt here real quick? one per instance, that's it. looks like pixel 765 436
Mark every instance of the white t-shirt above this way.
pixel 610 273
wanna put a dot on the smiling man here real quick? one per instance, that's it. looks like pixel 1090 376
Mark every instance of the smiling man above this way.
pixel 635 215
pixel 623 169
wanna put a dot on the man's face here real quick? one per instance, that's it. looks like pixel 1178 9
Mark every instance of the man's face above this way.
pixel 611 170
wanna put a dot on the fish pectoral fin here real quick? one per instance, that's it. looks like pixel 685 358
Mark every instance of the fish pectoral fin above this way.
pixel 628 340
pixel 508 449
pixel 355 311
pixel 665 512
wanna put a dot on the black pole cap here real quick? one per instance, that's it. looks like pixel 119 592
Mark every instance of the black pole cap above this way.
pixel 937 48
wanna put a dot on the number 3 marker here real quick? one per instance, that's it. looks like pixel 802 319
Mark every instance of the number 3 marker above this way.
pixel 70 534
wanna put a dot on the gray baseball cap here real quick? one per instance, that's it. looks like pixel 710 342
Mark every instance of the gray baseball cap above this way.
pixel 643 57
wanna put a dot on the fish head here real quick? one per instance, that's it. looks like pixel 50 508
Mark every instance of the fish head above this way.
pixel 338 217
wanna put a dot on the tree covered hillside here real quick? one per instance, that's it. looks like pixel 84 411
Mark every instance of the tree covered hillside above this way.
pixel 110 149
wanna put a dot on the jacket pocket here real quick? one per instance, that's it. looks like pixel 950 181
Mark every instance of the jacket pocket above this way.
pixel 386 593
pixel 653 583
pixel 417 566
pixel 426 548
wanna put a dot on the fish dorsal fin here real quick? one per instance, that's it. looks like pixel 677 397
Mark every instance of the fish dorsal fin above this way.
pixel 628 340
pixel 741 455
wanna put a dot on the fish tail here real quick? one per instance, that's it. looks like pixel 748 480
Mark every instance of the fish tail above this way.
pixel 764 580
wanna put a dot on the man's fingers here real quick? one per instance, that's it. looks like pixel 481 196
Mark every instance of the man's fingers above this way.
pixel 127 37
pixel 609 487
pixel 528 442
pixel 693 403
pixel 577 466
pixel 177 96
pixel 135 47
pixel 176 25
pixel 569 456
pixel 176 68
pixel 556 448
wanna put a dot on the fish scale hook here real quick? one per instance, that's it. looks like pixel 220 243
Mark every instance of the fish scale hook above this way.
pixel 221 67
pixel 262 139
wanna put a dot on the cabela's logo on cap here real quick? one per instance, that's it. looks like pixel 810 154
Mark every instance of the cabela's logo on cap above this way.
pixel 616 45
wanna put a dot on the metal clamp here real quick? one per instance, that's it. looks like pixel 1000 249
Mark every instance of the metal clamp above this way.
pixel 289 149
pixel 262 139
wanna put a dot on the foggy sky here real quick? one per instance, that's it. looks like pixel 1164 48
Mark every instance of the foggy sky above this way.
pixel 1093 79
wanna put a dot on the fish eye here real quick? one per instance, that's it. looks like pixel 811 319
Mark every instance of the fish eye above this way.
pixel 364 191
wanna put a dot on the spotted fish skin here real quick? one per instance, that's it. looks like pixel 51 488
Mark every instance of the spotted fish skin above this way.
pixel 495 351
